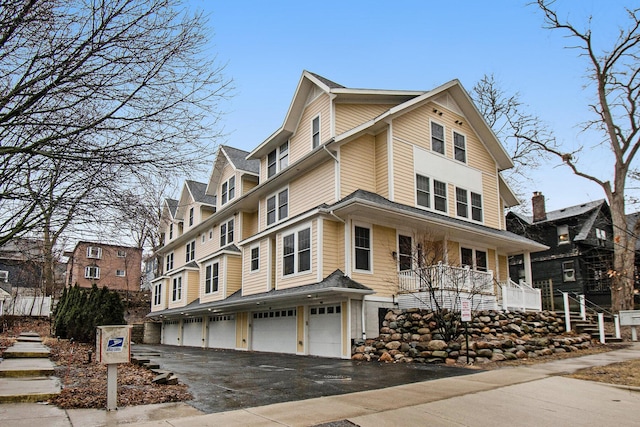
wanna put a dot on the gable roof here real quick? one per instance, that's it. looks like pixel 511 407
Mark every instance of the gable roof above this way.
pixel 172 206
pixel 198 192
pixel 564 213
pixel 237 158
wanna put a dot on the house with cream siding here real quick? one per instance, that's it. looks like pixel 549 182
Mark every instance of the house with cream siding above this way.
pixel 362 200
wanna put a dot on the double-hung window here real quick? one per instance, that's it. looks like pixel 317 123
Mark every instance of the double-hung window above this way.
pixel 228 190
pixel 255 258
pixel 176 290
pixel 170 231
pixel 405 253
pixel 190 217
pixel 278 207
pixel 92 272
pixel 476 206
pixel 121 273
pixel 474 259
pixel 423 192
pixel 315 132
pixel 459 147
pixel 462 203
pixel 440 196
pixel 211 277
pixel 157 294
pixel 296 252
pixel 283 156
pixel 191 251
pixel 226 233
pixel 278 159
pixel 362 245
pixel 169 262
pixel 437 138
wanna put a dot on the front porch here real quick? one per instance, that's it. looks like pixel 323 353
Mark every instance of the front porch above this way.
pixel 443 286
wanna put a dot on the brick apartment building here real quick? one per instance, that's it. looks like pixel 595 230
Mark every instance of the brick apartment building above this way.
pixel 116 267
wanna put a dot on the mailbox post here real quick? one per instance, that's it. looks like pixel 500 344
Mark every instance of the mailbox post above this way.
pixel 631 318
pixel 113 346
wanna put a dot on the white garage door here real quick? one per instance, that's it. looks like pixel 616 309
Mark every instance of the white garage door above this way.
pixel 274 331
pixel 192 332
pixel 222 331
pixel 325 330
pixel 171 332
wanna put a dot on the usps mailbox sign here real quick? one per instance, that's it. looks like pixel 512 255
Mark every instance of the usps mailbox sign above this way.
pixel 113 344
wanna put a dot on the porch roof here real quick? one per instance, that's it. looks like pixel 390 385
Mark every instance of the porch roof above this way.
pixel 336 284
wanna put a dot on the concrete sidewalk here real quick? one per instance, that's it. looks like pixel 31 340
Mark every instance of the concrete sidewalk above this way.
pixel 523 396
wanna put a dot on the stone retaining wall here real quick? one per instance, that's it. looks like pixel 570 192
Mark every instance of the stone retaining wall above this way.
pixel 494 336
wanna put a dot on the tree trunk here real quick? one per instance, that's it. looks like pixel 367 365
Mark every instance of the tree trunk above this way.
pixel 622 275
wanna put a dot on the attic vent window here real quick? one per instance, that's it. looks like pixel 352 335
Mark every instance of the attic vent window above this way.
pixel 563 234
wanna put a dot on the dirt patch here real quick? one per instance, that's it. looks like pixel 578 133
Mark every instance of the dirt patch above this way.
pixel 624 373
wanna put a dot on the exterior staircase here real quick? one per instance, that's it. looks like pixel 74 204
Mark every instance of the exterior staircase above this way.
pixel 26 372
pixel 590 326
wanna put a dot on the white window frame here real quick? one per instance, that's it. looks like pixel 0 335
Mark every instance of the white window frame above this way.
pixel 421 190
pixel 255 259
pixel 431 193
pixel 169 262
pixel 121 253
pixel 190 251
pixel 402 253
pixel 297 251
pixel 170 231
pixel 176 288
pixel 563 234
pixel 92 272
pixel 212 278
pixel 444 143
pixel 191 216
pixel 457 149
pixel 210 233
pixel 157 294
pixel 355 247
pixel 228 190
pixel 94 252
pixel 475 208
pixel 446 196
pixel 315 134
pixel 601 234
pixel 121 273
pixel 278 214
pixel 278 159
pixel 228 236
pixel 569 271
pixel 474 257
pixel 462 204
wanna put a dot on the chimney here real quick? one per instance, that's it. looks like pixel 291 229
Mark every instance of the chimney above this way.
pixel 539 209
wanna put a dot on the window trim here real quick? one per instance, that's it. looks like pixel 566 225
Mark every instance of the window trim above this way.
pixel 213 279
pixel 474 257
pixel 403 255
pixel 560 232
pixel 97 254
pixel 227 237
pixel 297 251
pixel 315 142
pixel 170 231
pixel 569 272
pixel 157 294
pixel 191 216
pixel 169 261
pixel 444 143
pixel 121 253
pixel 368 227
pixel 253 259
pixel 462 204
pixel 190 251
pixel 457 149
pixel 277 217
pixel 176 280
pixel 446 196
pixel 124 273
pixel 228 190
pixel 427 192
pixel 88 269
pixel 475 208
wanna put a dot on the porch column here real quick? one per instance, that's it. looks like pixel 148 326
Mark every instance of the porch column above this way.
pixel 528 276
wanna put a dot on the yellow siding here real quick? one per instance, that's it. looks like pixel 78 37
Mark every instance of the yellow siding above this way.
pixel 332 247
pixel 357 166
pixel 491 255
pixel 453 253
pixel 297 279
pixel 233 274
pixel 384 279
pixel 414 127
pixel 163 296
pixel 349 116
pixel 249 224
pixel 310 190
pixel 503 268
pixel 193 285
pixel 300 142
pixel 491 211
pixel 382 165
pixel 179 255
pixel 248 184
pixel 403 176
pixel 255 282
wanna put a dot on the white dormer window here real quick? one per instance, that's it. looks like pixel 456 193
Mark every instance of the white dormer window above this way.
pixel 278 159
pixel 94 252
pixel 563 234
pixel 228 190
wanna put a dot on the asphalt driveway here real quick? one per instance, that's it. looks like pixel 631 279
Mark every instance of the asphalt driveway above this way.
pixel 224 380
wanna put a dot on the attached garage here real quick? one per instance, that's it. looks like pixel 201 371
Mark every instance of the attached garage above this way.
pixel 325 330
pixel 192 332
pixel 222 332
pixel 274 331
pixel 171 332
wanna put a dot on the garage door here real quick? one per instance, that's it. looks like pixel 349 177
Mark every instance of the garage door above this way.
pixel 325 330
pixel 222 331
pixel 192 332
pixel 274 331
pixel 171 332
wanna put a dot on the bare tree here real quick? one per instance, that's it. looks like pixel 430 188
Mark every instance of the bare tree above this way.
pixel 614 75
pixel 110 91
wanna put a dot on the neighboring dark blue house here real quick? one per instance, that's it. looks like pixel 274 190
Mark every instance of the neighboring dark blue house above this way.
pixel 580 250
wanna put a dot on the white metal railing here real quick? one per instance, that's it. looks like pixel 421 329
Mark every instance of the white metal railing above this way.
pixel 445 277
pixel 520 296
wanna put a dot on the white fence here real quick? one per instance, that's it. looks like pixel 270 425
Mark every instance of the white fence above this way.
pixel 441 276
pixel 26 306
pixel 520 296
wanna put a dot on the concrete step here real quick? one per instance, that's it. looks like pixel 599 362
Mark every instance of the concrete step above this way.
pixel 36 389
pixel 29 367
pixel 27 350
pixel 151 365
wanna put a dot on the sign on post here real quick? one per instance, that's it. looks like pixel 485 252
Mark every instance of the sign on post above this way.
pixel 113 346
pixel 465 314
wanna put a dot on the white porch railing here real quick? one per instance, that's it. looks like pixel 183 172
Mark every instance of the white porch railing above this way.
pixel 445 277
pixel 520 296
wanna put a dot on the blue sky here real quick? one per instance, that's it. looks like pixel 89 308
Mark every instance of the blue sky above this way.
pixel 413 45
